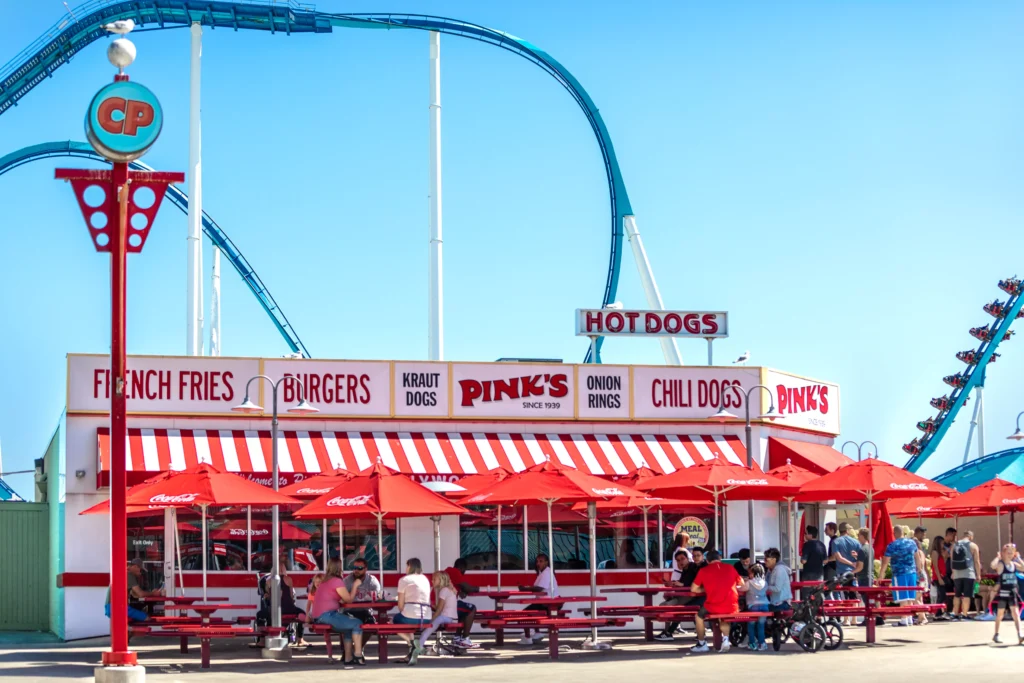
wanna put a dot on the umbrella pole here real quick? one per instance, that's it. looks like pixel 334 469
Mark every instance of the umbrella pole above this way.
pixel 1013 514
pixel 526 539
pixel 499 547
pixel 324 545
pixel 205 551
pixel 437 543
pixel 999 531
pixel 714 543
pixel 871 542
pixel 177 549
pixel 551 536
pixel 647 553
pixel 248 537
pixel 592 530
pixel 661 540
pixel 341 545
pixel 380 548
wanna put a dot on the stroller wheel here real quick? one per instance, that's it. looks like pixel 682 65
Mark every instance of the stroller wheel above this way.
pixel 812 637
pixel 738 634
pixel 778 635
pixel 833 634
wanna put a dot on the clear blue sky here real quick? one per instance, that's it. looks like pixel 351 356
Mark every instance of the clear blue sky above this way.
pixel 844 178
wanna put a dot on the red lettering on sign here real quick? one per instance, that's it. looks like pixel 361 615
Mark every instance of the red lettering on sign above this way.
pixel 673 323
pixel 555 385
pixel 614 322
pixel 136 114
pixel 105 114
pixel 652 323
pixel 593 322
pixel 632 316
pixel 710 321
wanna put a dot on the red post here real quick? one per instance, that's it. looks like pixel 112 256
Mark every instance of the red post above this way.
pixel 119 655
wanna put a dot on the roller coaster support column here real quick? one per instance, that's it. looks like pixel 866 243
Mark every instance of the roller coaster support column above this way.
pixel 215 305
pixel 668 344
pixel 435 343
pixel 194 301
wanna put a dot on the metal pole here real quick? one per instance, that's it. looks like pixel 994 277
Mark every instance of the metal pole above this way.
pixel 711 354
pixel 999 531
pixel 973 425
pixel 871 541
pixel 551 537
pixel 215 340
pixel 647 553
pixel 248 538
pixel 177 549
pixel 436 285
pixel 499 547
pixel 206 551
pixel 341 544
pixel 324 544
pixel 380 548
pixel 661 540
pixel 592 532
pixel 526 539
pixel 275 579
pixel 119 654
pixel 437 543
pixel 668 344
pixel 194 302
pixel 750 465
pixel 170 523
pixel 980 391
pixel 715 543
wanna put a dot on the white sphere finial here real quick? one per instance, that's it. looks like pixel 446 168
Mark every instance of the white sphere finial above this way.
pixel 121 53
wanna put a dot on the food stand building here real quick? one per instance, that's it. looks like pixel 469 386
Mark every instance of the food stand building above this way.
pixel 434 421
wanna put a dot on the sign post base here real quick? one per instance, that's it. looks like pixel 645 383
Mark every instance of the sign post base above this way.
pixel 120 674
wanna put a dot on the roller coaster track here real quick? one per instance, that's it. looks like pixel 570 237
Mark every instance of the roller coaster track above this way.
pixel 83 26
pixel 963 383
pixel 219 238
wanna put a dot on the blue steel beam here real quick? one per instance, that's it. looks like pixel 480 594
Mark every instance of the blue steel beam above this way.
pixel 975 379
pixel 83 26
pixel 216 234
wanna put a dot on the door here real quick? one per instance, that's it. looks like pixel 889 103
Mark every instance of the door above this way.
pixel 24 567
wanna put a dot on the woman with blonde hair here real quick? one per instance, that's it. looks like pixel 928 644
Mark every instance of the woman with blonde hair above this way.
pixel 446 608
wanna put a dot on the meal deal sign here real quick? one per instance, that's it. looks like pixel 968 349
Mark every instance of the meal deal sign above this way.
pixel 419 390
pixel 608 322
pixel 804 403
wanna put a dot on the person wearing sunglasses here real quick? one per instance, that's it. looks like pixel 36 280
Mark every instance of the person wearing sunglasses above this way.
pixel 367 590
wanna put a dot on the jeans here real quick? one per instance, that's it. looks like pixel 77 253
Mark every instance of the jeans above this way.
pixel 438 622
pixel 757 627
pixel 344 624
pixel 133 614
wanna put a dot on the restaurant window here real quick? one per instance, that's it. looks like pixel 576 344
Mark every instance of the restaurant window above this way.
pixel 478 539
pixel 146 543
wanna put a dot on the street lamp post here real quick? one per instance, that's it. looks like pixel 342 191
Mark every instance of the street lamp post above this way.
pixel 723 415
pixel 302 408
pixel 860 509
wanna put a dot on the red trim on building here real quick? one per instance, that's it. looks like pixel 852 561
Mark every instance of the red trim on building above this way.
pixel 811 456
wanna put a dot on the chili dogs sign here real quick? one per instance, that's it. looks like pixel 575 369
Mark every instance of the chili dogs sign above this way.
pixel 388 390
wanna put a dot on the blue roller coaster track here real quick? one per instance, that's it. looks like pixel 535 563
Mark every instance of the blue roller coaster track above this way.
pixel 83 26
pixel 219 238
pixel 963 383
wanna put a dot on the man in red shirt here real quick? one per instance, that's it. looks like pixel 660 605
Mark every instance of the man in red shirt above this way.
pixel 721 586
pixel 467 610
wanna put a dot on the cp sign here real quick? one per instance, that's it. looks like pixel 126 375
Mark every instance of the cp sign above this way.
pixel 123 121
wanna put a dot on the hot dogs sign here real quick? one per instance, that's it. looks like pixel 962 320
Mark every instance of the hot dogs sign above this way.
pixel 171 385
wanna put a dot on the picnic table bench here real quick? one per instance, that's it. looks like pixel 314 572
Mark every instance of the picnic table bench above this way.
pixel 204 633
pixel 384 631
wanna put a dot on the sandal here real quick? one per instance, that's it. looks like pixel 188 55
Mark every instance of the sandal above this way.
pixel 360 660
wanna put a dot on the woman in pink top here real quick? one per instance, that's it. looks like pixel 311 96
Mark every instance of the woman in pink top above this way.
pixel 328 608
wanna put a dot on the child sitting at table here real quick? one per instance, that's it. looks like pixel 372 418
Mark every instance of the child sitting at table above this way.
pixel 446 610
pixel 314 583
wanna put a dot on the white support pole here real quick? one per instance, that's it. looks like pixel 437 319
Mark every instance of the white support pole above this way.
pixel 711 352
pixel 435 324
pixel 980 391
pixel 974 424
pixel 215 305
pixel 170 526
pixel 194 300
pixel 668 344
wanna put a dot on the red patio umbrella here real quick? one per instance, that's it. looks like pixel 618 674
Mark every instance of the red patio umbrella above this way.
pixel 716 478
pixel 237 529
pixel 870 481
pixel 995 496
pixel 381 493
pixel 550 482
pixel 103 508
pixel 203 486
pixel 881 530
pixel 794 476
pixel 318 485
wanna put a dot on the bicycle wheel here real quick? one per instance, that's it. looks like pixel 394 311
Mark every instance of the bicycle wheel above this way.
pixel 833 634
pixel 738 633
pixel 778 634
pixel 812 637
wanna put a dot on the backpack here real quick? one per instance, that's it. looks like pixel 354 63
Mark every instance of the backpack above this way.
pixel 961 556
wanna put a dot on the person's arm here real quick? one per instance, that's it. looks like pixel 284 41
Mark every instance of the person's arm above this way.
pixel 977 560
pixel 467 588
pixel 1018 563
pixel 742 586
pixel 859 567
pixel 347 596
pixel 401 597
pixel 881 569
pixel 995 562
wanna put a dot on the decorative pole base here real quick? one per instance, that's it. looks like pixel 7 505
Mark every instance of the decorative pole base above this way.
pixel 120 674
pixel 277 648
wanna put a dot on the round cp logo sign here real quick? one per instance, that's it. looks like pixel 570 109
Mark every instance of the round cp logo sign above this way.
pixel 123 121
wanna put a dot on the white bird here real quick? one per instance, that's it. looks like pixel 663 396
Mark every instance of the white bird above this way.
pixel 121 26
pixel 742 360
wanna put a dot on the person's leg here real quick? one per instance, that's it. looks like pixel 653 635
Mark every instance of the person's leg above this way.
pixel 698 626
pixel 1000 613
pixel 136 614
pixel 725 626
pixel 467 615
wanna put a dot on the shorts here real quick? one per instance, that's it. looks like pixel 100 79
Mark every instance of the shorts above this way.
pixel 1010 603
pixel 413 621
pixel 134 614
pixel 963 588
pixel 901 580
pixel 464 609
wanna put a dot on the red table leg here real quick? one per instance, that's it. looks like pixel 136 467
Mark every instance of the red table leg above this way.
pixel 648 623
pixel 204 649
pixel 716 635
pixel 869 623
pixel 184 645
pixel 499 633
pixel 382 648
pixel 553 642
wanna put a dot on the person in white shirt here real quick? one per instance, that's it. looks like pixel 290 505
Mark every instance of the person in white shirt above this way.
pixel 545 586
pixel 446 610
pixel 413 603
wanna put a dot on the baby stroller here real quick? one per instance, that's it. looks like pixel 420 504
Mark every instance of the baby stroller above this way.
pixel 806 626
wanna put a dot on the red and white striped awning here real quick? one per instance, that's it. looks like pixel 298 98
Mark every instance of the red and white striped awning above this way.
pixel 426 453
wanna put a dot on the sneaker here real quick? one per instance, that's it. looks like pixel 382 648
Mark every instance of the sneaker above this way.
pixel 465 643
pixel 539 638
pixel 997 639
pixel 725 646
pixel 664 636
pixel 763 647
pixel 752 647
pixel 700 648
pixel 415 655
pixel 987 616
pixel 526 641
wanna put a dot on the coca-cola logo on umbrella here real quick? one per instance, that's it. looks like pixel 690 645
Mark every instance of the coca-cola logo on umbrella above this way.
pixel 916 486
pixel 1013 501
pixel 254 532
pixel 610 491
pixel 348 502
pixel 180 498
pixel 747 482
pixel 313 492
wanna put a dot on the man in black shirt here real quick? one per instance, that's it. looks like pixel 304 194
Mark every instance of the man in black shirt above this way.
pixel 683 573
pixel 812 556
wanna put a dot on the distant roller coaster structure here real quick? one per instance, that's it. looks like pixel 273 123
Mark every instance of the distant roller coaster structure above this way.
pixel 83 26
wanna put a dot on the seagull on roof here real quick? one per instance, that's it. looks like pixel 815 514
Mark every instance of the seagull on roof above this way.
pixel 742 360
pixel 121 26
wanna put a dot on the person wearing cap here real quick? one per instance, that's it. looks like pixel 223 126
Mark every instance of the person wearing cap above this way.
pixel 135 592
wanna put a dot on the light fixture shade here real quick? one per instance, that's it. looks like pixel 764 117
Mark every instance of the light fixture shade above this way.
pixel 723 415
pixel 1016 436
pixel 771 414
pixel 303 407
pixel 247 406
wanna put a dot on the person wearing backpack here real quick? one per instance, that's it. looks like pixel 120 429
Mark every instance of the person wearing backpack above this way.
pixel 965 561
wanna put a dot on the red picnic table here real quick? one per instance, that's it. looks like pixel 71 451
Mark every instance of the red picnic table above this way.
pixel 499 597
pixel 381 607
pixel 872 594
pixel 648 593
pixel 205 630
pixel 552 605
